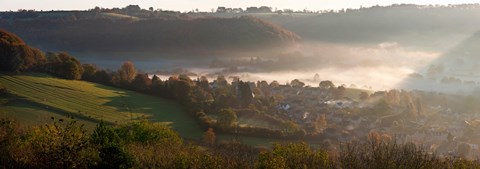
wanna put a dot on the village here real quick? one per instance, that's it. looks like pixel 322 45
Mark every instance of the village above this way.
pixel 354 116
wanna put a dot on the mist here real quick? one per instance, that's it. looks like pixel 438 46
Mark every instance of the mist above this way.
pixel 379 67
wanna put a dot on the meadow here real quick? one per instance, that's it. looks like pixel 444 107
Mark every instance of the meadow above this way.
pixel 35 98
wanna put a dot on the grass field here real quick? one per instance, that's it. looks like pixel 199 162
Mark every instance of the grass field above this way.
pixel 37 97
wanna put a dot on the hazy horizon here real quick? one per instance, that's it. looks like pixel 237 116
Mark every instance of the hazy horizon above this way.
pixel 208 5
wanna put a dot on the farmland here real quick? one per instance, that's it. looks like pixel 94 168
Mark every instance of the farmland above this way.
pixel 37 97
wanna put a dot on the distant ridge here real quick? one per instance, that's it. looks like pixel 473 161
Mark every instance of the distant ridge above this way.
pixel 109 32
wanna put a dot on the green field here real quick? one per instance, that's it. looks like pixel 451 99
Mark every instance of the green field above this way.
pixel 37 97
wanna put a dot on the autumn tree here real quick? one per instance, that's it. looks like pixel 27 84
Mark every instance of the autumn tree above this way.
pixel 64 65
pixel 58 145
pixel 181 88
pixel 127 72
pixel 209 137
pixel 15 55
pixel 141 82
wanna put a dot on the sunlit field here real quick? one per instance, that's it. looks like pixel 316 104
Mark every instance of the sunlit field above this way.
pixel 40 97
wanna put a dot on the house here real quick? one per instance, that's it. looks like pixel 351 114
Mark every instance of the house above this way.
pixel 283 106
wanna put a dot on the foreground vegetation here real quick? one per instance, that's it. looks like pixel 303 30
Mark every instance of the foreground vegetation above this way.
pixel 66 144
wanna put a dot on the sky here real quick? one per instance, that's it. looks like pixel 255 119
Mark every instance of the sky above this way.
pixel 208 5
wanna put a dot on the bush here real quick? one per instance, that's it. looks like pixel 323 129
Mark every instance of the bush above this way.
pixel 63 144
pixel 114 156
pixel 147 132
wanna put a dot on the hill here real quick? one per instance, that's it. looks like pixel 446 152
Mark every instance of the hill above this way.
pixel 37 97
pixel 113 32
pixel 418 26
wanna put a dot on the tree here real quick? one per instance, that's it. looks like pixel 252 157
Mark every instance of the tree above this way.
pixel 221 81
pixel 64 65
pixel 209 137
pixel 141 82
pixel 226 118
pixel 132 9
pixel 221 9
pixel 39 58
pixel 203 83
pixel 316 77
pixel 89 71
pixel 156 80
pixel 15 55
pixel 297 83
pixel 327 84
pixel 245 93
pixel 181 89
pixel 127 72
pixel 61 145
pixel 103 77
pixel 71 67
pixel 111 153
pixel 274 84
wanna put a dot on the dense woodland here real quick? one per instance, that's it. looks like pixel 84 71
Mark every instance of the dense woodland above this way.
pixel 93 32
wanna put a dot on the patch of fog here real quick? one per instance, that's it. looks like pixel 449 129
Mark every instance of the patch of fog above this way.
pixel 379 67
pixel 389 54
pixel 378 78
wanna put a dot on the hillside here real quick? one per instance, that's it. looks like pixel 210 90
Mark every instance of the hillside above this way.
pixel 110 32
pixel 418 26
pixel 39 97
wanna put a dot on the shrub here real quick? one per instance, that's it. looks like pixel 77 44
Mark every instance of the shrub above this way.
pixel 148 132
pixel 63 144
pixel 114 156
